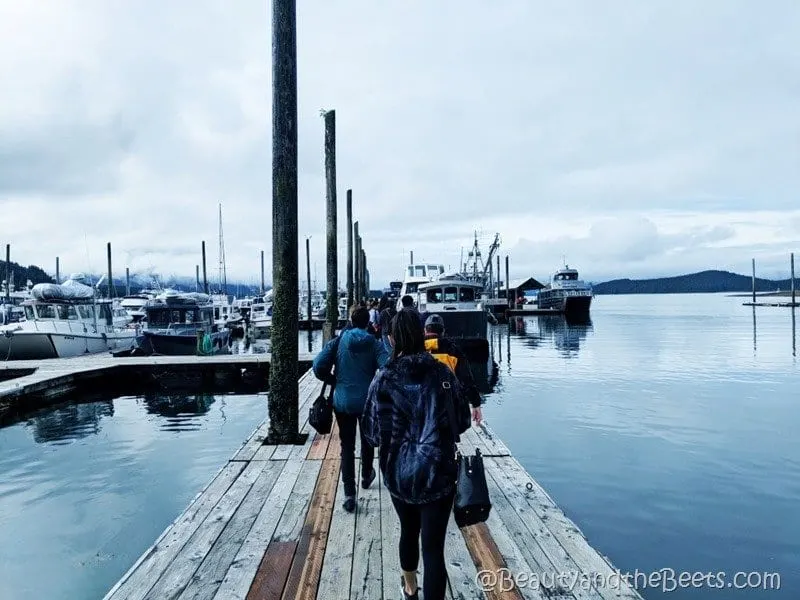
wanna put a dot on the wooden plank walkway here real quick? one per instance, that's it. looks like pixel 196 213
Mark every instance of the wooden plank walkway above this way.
pixel 270 526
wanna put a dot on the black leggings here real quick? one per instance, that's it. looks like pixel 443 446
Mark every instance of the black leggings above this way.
pixel 432 520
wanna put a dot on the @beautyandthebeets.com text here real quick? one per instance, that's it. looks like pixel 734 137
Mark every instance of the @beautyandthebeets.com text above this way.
pixel 665 580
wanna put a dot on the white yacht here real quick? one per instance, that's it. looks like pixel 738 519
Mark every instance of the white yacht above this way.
pixel 261 316
pixel 64 320
pixel 566 293
pixel 135 304
pixel 416 275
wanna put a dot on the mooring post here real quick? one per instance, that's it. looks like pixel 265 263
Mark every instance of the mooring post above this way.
pixel 791 260
pixel 205 278
pixel 283 370
pixel 308 282
pixel 110 276
pixel 754 281
pixel 508 300
pixel 8 273
pixel 365 276
pixel 332 294
pixel 127 281
pixel 58 271
pixel 356 265
pixel 263 285
pixel 349 248
pixel 197 278
pixel 498 277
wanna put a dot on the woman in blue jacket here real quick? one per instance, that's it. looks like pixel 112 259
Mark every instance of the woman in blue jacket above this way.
pixel 356 355
pixel 415 411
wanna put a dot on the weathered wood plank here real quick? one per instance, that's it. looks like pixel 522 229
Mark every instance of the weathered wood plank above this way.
pixel 175 577
pixel 487 557
pixel 319 447
pixel 338 565
pixel 204 583
pixel 334 445
pixel 390 542
pixel 461 571
pixel 245 565
pixel 271 576
pixel 294 511
pixel 572 541
pixel 305 572
pixel 141 576
pixel 367 576
pixel 494 445
pixel 282 452
pixel 265 452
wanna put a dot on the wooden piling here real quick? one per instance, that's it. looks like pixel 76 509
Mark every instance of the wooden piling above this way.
pixel 497 294
pixel 350 286
pixel 308 282
pixel 283 372
pixel 205 277
pixel 8 273
pixel 332 258
pixel 508 299
pixel 127 281
pixel 263 285
pixel 357 265
pixel 791 260
pixel 110 275
pixel 58 271
pixel 364 276
pixel 754 280
pixel 197 278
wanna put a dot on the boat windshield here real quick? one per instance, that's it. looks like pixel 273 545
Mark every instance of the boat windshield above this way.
pixel 412 288
pixel 466 294
pixel 451 294
pixel 434 296
pixel 419 271
pixel 573 276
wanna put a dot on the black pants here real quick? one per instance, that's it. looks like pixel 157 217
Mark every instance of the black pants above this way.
pixel 347 435
pixel 431 520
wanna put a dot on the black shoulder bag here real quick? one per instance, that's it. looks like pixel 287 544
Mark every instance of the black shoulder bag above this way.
pixel 472 503
pixel 320 415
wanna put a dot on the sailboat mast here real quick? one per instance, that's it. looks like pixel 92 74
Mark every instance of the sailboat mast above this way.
pixel 223 275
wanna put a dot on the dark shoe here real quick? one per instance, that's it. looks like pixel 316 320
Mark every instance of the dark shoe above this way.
pixel 366 480
pixel 350 504
pixel 414 596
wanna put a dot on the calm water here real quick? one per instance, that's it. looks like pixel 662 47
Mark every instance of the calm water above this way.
pixel 665 429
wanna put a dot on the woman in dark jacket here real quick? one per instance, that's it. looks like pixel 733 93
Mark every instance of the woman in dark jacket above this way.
pixel 407 416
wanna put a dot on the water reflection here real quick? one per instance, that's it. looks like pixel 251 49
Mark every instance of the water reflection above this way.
pixel 794 334
pixel 70 422
pixel 565 333
pixel 175 405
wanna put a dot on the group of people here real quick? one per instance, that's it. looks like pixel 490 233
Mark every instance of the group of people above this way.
pixel 400 392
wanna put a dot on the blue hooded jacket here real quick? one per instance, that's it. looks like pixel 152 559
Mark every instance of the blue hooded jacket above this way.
pixel 358 356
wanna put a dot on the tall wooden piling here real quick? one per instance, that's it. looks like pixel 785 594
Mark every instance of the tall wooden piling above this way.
pixel 754 280
pixel 58 271
pixel 497 295
pixel 350 285
pixel 791 261
pixel 308 282
pixel 491 279
pixel 8 273
pixel 263 285
pixel 127 281
pixel 110 275
pixel 197 278
pixel 508 299
pixel 357 265
pixel 205 276
pixel 332 258
pixel 364 276
pixel 283 371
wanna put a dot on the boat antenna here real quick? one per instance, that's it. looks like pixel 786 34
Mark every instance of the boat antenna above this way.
pixel 223 276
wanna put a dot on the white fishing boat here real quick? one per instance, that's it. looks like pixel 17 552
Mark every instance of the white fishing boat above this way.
pixel 135 304
pixel 417 275
pixel 64 320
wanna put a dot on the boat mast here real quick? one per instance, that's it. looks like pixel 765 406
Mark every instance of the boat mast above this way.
pixel 223 276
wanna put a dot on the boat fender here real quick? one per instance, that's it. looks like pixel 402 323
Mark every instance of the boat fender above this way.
pixel 104 336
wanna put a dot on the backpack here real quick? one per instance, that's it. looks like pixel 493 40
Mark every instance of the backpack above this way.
pixel 421 466
pixel 432 346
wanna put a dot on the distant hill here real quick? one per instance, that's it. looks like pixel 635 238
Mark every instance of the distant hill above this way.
pixel 21 275
pixel 694 283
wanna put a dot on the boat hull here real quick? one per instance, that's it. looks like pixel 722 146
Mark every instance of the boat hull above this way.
pixel 567 304
pixel 181 345
pixel 43 345
pixel 467 328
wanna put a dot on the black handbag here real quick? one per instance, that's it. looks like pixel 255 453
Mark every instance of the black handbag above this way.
pixel 320 415
pixel 472 503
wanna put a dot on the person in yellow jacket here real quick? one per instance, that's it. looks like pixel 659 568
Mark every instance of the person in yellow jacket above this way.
pixel 445 350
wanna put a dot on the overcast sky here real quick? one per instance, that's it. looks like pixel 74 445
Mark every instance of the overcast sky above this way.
pixel 631 138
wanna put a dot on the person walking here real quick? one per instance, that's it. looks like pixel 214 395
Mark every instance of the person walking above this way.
pixel 407 417
pixel 385 322
pixel 447 351
pixel 356 354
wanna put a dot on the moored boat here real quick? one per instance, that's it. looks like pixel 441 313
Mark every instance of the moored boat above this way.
pixel 566 293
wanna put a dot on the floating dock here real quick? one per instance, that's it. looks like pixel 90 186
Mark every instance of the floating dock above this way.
pixel 774 304
pixel 523 312
pixel 270 525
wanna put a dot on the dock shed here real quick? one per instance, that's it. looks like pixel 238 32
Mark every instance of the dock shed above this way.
pixel 518 287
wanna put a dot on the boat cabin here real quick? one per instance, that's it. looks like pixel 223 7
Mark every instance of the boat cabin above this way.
pixel 455 294
pixel 68 311
pixel 166 317
pixel 566 274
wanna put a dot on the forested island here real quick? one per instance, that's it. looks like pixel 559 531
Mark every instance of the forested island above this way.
pixel 693 283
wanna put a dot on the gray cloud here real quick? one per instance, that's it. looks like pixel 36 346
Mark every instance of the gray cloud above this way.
pixel 547 122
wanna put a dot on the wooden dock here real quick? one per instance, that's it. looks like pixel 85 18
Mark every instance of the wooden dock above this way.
pixel 270 525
